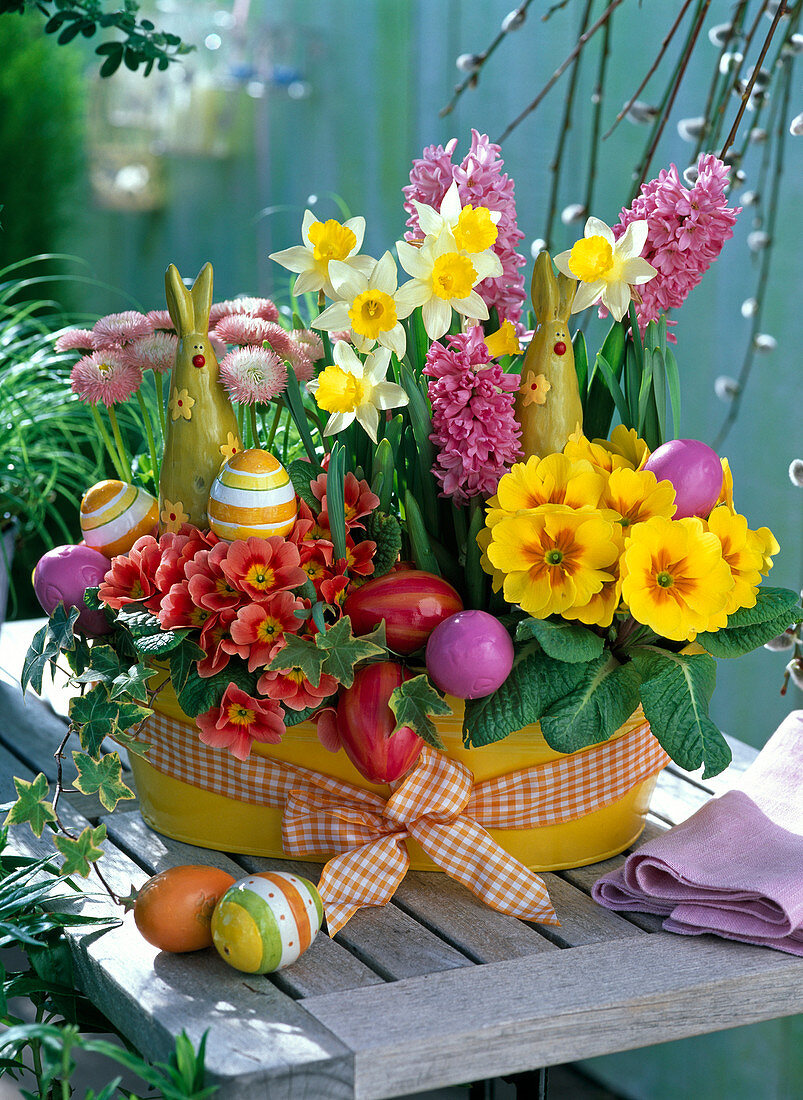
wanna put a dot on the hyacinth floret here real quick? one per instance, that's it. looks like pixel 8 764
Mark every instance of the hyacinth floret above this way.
pixel 475 431
pixel 480 182
pixel 687 228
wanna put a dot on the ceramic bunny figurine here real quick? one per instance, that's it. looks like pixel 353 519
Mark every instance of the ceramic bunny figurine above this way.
pixel 201 425
pixel 548 401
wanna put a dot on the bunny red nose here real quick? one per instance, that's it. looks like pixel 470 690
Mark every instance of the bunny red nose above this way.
pixel 199 361
pixel 559 348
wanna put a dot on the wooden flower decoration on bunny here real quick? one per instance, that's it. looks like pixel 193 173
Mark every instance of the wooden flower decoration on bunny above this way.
pixel 201 427
pixel 548 404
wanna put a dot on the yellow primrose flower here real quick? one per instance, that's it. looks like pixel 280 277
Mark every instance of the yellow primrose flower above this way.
pixel 601 608
pixel 173 516
pixel 368 306
pixel 504 342
pixel 484 541
pixel 552 558
pixel 534 388
pixel 767 545
pixel 599 455
pixel 636 496
pixel 554 479
pixel 742 553
pixel 351 390
pixel 726 492
pixel 626 443
pixel 675 580
pixel 323 242
pixel 607 268
pixel 180 405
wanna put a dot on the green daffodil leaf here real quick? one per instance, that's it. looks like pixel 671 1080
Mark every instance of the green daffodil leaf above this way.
pixel 31 806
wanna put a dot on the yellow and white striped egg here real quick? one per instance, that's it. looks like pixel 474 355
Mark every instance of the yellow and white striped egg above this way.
pixel 264 922
pixel 252 496
pixel 115 514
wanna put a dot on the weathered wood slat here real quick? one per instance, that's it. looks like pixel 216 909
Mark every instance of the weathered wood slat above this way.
pixel 554 1007
pixel 582 921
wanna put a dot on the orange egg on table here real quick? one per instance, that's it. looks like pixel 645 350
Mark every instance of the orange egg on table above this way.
pixel 114 515
pixel 252 496
pixel 173 910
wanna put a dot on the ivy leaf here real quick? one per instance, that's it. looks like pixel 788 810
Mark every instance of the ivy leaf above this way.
pixel 343 651
pixel 105 666
pixel 30 805
pixel 675 691
pixel 750 627
pixel 102 777
pixel 595 709
pixel 131 744
pixel 132 682
pixel 41 652
pixel 82 851
pixel 300 653
pixel 61 626
pixel 92 599
pixel 562 640
pixel 412 702
pixel 97 716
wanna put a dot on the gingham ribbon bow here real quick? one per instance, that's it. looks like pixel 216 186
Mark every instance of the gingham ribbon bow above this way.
pixel 369 832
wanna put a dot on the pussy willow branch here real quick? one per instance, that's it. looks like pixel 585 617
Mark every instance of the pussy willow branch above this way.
pixel 669 36
pixel 561 69
pixel 753 76
pixel 721 81
pixel 732 79
pixel 472 79
pixel 598 98
pixel 775 66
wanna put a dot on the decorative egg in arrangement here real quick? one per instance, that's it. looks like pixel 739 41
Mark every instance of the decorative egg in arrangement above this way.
pixel 411 602
pixel 63 575
pixel 115 514
pixel 265 921
pixel 366 723
pixel 469 655
pixel 252 496
pixel 695 471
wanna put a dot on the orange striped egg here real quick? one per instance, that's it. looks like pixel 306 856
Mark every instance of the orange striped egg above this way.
pixel 252 496
pixel 264 922
pixel 115 514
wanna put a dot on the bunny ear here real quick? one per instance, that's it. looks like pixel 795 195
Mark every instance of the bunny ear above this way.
pixel 544 289
pixel 567 288
pixel 202 297
pixel 179 303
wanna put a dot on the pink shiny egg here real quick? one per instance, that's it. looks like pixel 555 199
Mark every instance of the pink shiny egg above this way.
pixel 694 470
pixel 64 573
pixel 469 655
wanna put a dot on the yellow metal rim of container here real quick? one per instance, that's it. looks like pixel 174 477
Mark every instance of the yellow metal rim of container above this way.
pixel 208 820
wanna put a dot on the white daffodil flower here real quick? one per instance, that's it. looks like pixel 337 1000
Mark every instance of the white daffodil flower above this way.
pixel 352 390
pixel 443 278
pixel 607 269
pixel 474 230
pixel 323 243
pixel 368 306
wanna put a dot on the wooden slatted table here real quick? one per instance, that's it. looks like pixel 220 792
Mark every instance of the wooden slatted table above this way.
pixel 434 989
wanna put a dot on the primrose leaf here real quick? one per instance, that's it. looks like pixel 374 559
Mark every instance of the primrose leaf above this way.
pixel 103 777
pixel 750 627
pixel 147 634
pixel 201 693
pixel 593 711
pixel 82 851
pixel 412 703
pixel 343 651
pixel 562 640
pixel 30 805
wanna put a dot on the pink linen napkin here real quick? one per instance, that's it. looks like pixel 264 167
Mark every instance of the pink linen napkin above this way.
pixel 735 867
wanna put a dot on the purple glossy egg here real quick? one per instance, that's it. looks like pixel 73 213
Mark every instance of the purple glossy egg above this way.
pixel 64 573
pixel 694 470
pixel 469 655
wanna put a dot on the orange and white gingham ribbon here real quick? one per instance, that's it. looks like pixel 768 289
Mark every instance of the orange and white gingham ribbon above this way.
pixel 437 804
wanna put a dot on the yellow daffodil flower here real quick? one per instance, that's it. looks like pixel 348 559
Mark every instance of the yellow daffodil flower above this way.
pixel 553 558
pixel 367 306
pixel 473 229
pixel 505 342
pixel 323 242
pixel 352 390
pixel 607 268
pixel 675 579
pixel 636 496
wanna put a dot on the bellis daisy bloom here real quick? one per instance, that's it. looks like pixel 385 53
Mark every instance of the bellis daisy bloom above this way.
pixel 156 352
pixel 105 377
pixel 351 390
pixel 241 329
pixel 160 320
pixel 368 305
pixel 553 558
pixel 253 376
pixel 676 580
pixel 323 242
pixel 443 279
pixel 116 328
pixel 76 339
pixel 605 267
pixel 263 308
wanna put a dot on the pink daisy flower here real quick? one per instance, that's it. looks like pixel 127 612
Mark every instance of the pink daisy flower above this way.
pixel 256 307
pixel 253 375
pixel 301 363
pixel 160 319
pixel 156 352
pixel 76 339
pixel 241 329
pixel 116 328
pixel 475 431
pixel 105 377
pixel 310 341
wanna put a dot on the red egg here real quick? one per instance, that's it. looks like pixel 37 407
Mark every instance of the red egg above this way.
pixel 694 470
pixel 411 602
pixel 365 723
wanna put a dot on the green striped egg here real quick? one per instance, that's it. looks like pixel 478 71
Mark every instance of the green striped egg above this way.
pixel 252 496
pixel 264 922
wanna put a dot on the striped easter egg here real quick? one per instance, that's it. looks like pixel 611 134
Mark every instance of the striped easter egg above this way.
pixel 115 514
pixel 252 496
pixel 264 922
